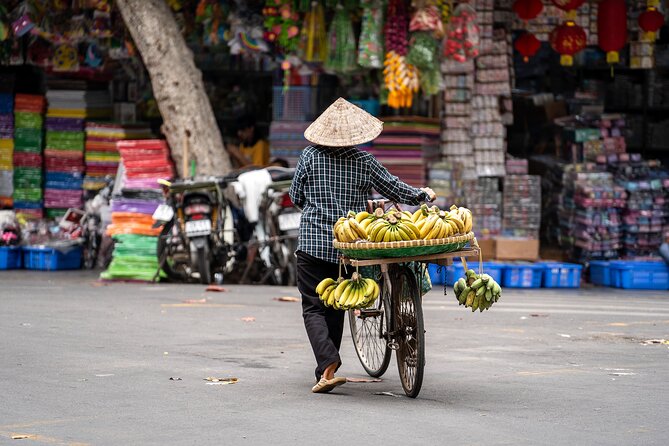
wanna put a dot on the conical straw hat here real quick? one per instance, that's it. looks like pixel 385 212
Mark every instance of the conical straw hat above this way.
pixel 343 125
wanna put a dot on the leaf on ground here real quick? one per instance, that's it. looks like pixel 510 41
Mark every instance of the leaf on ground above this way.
pixel 248 319
pixel 363 380
pixel 21 436
pixel 655 341
pixel 538 315
pixel 173 378
pixel 221 381
pixel 287 299
pixel 216 289
pixel 99 284
pixel 195 301
pixel 388 394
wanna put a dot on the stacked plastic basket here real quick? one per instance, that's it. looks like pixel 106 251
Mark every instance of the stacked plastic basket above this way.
pixel 6 149
pixel 102 156
pixel 28 147
pixel 134 258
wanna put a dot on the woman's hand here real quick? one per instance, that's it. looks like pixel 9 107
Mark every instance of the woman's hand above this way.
pixel 430 193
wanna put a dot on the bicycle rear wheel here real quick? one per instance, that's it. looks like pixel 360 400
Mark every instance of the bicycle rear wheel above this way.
pixel 369 332
pixel 409 330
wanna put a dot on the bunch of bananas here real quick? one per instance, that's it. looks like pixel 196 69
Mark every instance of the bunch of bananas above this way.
pixel 455 221
pixel 347 229
pixel 477 292
pixel 393 227
pixel 348 294
pixel 401 79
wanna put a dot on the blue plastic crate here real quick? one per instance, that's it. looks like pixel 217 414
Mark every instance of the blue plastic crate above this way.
pixel 561 275
pixel 600 272
pixel 50 259
pixel 437 273
pixel 371 106
pixel 455 271
pixel 522 275
pixel 637 275
pixel 10 257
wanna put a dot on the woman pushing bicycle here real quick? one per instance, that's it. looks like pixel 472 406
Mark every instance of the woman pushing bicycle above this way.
pixel 333 177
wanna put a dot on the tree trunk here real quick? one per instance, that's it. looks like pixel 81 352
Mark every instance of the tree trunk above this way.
pixel 177 86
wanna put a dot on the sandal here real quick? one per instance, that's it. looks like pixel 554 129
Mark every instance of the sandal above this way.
pixel 326 385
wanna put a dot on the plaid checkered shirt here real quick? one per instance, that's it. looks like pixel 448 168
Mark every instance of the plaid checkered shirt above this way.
pixel 329 182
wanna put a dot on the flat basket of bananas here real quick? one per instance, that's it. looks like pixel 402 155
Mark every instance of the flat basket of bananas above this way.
pixel 382 234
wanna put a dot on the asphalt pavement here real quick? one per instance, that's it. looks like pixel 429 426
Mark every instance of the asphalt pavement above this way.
pixel 90 363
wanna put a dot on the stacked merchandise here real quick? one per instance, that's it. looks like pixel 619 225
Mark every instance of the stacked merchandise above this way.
pixel 646 216
pixel 286 140
pixel 102 156
pixel 590 213
pixel 28 144
pixel 405 145
pixel 552 16
pixel 64 151
pixel 134 257
pixel 522 206
pixel 445 178
pixel 456 141
pixel 6 149
pixel 485 201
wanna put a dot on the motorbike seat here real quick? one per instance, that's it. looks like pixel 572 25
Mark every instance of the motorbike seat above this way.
pixel 281 173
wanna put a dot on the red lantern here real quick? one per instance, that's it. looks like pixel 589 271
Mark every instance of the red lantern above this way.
pixel 650 21
pixel 528 9
pixel 568 39
pixel 568 5
pixel 527 45
pixel 612 28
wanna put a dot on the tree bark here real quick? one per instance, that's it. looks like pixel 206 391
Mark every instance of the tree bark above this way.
pixel 177 86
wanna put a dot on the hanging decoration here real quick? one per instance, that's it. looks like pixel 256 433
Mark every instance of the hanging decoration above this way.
pixel 568 39
pixel 528 9
pixel 463 39
pixel 370 47
pixel 313 39
pixel 445 9
pixel 527 45
pixel 341 43
pixel 427 19
pixel 400 78
pixel 65 58
pixel 568 6
pixel 612 28
pixel 650 21
pixel 281 25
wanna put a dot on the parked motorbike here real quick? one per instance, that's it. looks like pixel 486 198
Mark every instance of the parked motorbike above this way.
pixel 196 241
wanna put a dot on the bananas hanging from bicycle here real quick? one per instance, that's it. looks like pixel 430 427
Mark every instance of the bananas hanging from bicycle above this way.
pixel 477 292
pixel 427 223
pixel 348 294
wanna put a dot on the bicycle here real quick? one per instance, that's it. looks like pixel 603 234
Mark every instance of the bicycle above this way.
pixel 395 322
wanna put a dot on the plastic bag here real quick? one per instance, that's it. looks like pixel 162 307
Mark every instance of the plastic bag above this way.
pixel 341 55
pixel 423 51
pixel 370 47
pixel 430 82
pixel 313 39
pixel 427 19
pixel 462 39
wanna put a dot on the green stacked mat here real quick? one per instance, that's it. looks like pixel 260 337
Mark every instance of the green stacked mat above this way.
pixel 134 258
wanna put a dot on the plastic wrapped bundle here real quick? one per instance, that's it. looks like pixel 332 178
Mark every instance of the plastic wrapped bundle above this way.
pixel 134 258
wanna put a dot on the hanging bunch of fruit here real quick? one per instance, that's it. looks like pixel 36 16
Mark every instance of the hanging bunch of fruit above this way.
pixel 427 223
pixel 313 39
pixel 400 77
pixel 427 30
pixel 348 294
pixel 444 7
pixel 281 24
pixel 341 43
pixel 463 39
pixel 477 292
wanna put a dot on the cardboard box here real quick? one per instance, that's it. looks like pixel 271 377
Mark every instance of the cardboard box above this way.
pixel 487 249
pixel 516 249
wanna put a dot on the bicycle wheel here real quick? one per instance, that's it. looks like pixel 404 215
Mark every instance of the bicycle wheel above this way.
pixel 369 333
pixel 409 331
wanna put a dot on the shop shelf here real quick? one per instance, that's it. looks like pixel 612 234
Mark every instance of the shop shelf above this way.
pixel 637 275
pixel 50 259
pixel 600 273
pixel 10 257
pixel 294 104
pixel 561 275
pixel 517 275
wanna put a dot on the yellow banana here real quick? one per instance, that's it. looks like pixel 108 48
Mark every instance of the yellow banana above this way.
pixel 330 295
pixel 351 296
pixel 436 230
pixel 374 230
pixel 453 216
pixel 428 225
pixel 366 223
pixel 381 233
pixel 359 230
pixel 414 230
pixel 405 233
pixel 388 233
pixel 345 295
pixel 340 288
pixel 349 232
pixel 320 288
pixel 360 216
pixel 369 287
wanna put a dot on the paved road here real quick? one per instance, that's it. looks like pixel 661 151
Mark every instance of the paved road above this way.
pixel 87 363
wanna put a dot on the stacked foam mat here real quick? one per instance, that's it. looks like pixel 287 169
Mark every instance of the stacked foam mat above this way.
pixel 28 150
pixel 6 149
pixel 145 162
pixel 286 140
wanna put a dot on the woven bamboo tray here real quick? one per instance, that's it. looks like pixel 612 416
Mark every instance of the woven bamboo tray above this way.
pixel 369 250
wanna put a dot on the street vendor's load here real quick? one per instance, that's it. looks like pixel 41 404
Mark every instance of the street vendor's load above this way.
pixel 348 294
pixel 477 292
pixel 427 223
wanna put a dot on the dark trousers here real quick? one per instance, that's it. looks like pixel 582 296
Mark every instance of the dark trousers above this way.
pixel 324 325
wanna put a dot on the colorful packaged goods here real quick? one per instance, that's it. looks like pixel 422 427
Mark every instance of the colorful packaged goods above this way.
pixel 28 195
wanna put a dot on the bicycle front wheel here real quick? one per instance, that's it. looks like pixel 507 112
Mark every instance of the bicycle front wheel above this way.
pixel 369 332
pixel 409 331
